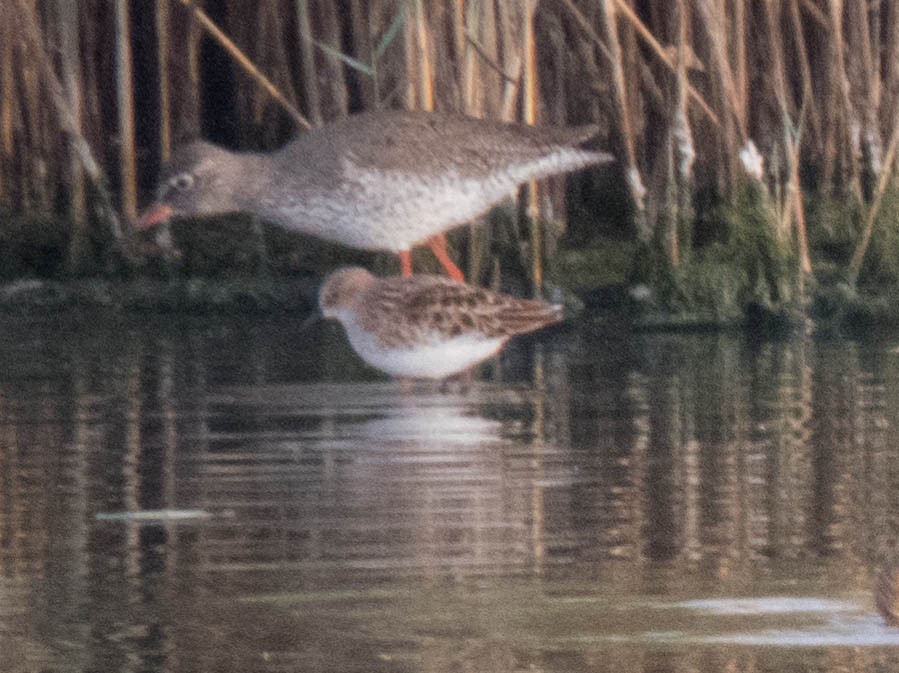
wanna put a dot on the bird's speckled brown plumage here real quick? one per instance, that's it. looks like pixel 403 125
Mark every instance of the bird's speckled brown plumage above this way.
pixel 403 309
pixel 426 326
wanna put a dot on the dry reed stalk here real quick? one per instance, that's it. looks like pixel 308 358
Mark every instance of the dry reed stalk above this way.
pixel 245 63
pixel 511 34
pixel 7 101
pixel 792 149
pixel 529 116
pixel 792 219
pixel 484 40
pixel 309 78
pixel 30 111
pixel 840 133
pixel 272 54
pixel 775 67
pixel 244 23
pixel 865 42
pixel 92 86
pixel 68 25
pixel 472 104
pixel 791 205
pixel 426 63
pixel 557 73
pixel 493 37
pixel 463 60
pixel 810 8
pixel 740 77
pixel 458 28
pixel 434 42
pixel 726 69
pixel 890 59
pixel 682 138
pixel 734 69
pixel 387 60
pixel 336 79
pixel 511 85
pixel 125 106
pixel 410 66
pixel 612 47
pixel 793 215
pixel 164 91
pixel 27 131
pixel 884 179
pixel 35 45
pixel 628 12
pixel 361 31
pixel 864 33
pixel 803 60
pixel 190 117
pixel 611 50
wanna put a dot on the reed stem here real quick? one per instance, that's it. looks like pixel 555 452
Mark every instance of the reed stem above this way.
pixel 7 101
pixel 164 87
pixel 125 100
pixel 67 19
pixel 886 175
pixel 241 59
pixel 309 81
pixel 34 39
pixel 529 109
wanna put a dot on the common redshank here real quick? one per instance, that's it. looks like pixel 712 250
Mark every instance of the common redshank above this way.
pixel 425 326
pixel 386 180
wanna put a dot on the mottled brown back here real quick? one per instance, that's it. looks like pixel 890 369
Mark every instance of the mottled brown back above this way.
pixel 422 304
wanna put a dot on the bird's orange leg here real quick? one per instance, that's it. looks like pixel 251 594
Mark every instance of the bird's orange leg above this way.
pixel 438 247
pixel 406 262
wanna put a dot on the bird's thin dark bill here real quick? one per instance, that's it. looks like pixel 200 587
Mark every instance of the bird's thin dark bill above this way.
pixel 313 318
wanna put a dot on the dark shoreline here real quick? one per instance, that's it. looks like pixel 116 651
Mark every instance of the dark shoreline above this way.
pixel 143 295
pixel 831 310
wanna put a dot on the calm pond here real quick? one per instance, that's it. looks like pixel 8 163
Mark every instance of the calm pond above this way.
pixel 244 495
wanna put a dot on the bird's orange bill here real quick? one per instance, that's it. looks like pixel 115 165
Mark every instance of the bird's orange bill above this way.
pixel 152 216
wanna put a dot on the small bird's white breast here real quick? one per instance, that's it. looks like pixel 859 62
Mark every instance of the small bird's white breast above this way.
pixel 435 357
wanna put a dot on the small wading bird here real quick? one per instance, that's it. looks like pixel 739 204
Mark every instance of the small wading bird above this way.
pixel 377 181
pixel 425 326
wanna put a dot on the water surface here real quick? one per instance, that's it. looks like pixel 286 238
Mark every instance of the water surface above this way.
pixel 244 495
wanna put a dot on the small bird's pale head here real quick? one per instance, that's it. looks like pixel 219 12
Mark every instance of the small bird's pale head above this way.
pixel 342 289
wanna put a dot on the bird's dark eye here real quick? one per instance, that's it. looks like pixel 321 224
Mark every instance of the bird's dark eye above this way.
pixel 182 181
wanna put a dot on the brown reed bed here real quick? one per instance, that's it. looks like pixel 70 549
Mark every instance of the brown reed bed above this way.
pixel 93 95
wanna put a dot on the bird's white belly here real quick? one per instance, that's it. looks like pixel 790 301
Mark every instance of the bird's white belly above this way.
pixel 389 210
pixel 393 209
pixel 433 358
